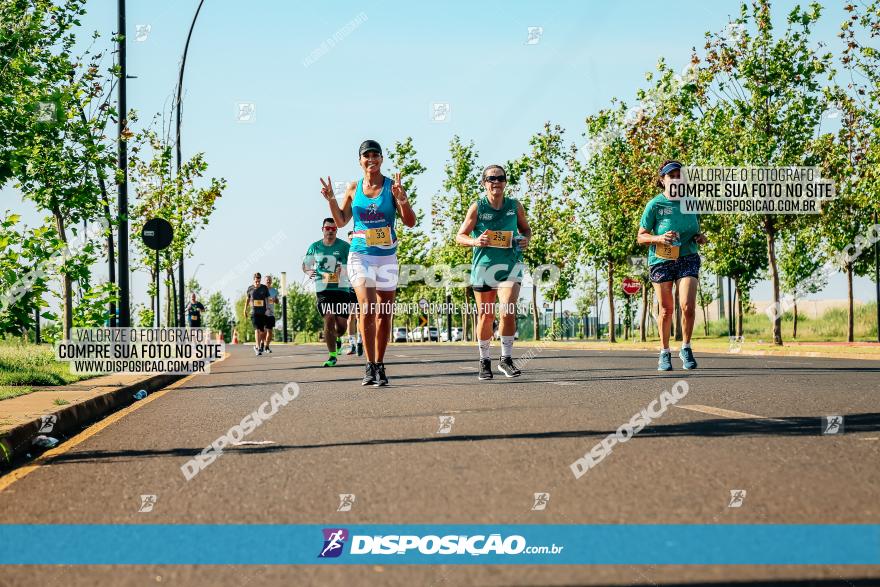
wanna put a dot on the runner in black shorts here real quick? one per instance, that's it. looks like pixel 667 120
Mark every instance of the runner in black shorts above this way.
pixel 325 263
pixel 258 296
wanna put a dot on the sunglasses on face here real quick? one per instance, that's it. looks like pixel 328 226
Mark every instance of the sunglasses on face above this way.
pixel 495 178
pixel 329 229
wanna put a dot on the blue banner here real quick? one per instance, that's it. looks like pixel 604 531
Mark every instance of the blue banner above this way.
pixel 678 544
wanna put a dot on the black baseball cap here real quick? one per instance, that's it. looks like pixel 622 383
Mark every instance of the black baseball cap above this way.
pixel 369 145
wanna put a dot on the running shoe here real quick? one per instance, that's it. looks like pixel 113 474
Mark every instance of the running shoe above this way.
pixel 338 344
pixel 369 374
pixel 381 378
pixel 262 348
pixel 687 357
pixel 257 351
pixel 350 350
pixel 360 349
pixel 665 362
pixel 506 366
pixel 485 369
pixel 268 350
pixel 331 362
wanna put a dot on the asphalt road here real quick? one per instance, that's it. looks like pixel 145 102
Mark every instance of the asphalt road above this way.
pixel 747 423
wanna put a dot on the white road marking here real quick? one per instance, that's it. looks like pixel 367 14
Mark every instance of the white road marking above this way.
pixel 733 415
pixel 564 383
pixel 252 442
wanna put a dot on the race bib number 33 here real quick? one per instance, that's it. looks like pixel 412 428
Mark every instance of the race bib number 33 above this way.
pixel 500 239
pixel 378 236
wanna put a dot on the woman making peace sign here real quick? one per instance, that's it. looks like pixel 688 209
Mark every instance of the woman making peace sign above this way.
pixel 374 202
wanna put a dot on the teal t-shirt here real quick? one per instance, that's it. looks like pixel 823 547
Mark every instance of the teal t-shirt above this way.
pixel 662 215
pixel 325 258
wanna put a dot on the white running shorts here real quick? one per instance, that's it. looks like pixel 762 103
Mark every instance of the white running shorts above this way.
pixel 379 271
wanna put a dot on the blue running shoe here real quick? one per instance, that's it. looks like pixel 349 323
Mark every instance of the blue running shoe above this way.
pixel 687 357
pixel 665 362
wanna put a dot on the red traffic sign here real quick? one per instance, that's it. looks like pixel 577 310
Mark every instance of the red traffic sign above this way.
pixel 631 286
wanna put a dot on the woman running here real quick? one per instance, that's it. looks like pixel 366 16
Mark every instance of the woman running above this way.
pixel 497 228
pixel 374 202
pixel 673 257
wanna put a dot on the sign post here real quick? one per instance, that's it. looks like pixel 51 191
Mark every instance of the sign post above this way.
pixel 157 235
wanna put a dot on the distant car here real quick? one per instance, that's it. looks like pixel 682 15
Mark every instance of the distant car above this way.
pixel 456 334
pixel 431 333
pixel 400 334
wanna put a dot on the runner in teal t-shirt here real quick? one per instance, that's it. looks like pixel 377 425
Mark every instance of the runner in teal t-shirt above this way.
pixel 673 258
pixel 325 263
pixel 497 228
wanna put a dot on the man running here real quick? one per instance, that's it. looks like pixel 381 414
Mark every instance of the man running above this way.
pixel 354 337
pixel 498 230
pixel 324 262
pixel 194 311
pixel 257 295
pixel 374 203
pixel 673 258
pixel 270 312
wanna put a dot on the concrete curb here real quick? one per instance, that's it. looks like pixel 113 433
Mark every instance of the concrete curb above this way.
pixel 17 442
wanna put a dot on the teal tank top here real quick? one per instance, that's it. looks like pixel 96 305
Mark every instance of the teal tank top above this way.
pixel 374 220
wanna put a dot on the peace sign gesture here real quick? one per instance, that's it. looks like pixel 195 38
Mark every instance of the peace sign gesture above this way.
pixel 397 189
pixel 327 189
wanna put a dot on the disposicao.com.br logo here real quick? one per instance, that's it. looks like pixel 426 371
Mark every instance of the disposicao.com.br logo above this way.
pixel 451 544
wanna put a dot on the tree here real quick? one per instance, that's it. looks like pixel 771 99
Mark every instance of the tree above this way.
pixel 800 260
pixel 706 294
pixel 448 210
pixel 219 315
pixel 769 89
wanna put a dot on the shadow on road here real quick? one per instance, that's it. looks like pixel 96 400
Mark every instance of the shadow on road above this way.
pixel 786 426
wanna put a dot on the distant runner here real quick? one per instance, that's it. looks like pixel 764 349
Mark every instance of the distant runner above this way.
pixel 270 312
pixel 325 263
pixel 497 228
pixel 673 257
pixel 194 311
pixel 257 296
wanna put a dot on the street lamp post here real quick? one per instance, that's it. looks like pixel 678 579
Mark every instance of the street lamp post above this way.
pixel 122 194
pixel 284 306
pixel 180 299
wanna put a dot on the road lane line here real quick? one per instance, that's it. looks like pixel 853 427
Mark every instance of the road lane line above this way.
pixel 25 470
pixel 734 415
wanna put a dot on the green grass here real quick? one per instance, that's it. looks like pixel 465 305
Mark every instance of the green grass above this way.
pixel 25 368
pixel 60 402
pixel 830 326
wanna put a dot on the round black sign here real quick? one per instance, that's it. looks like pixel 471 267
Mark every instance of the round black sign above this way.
pixel 157 234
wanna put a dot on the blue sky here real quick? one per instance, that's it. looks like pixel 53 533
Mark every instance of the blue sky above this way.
pixel 380 82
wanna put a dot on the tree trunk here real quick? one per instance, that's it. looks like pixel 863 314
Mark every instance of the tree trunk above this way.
pixel 739 311
pixel 612 334
pixel 66 282
pixel 849 295
pixel 706 320
pixel 644 317
pixel 536 331
pixel 794 330
pixel 770 228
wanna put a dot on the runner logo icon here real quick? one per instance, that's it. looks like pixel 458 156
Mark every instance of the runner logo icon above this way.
pixel 334 540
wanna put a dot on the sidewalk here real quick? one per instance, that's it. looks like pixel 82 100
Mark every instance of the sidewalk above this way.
pixel 23 417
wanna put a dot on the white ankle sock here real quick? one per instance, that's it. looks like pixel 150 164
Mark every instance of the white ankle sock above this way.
pixel 484 348
pixel 506 346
